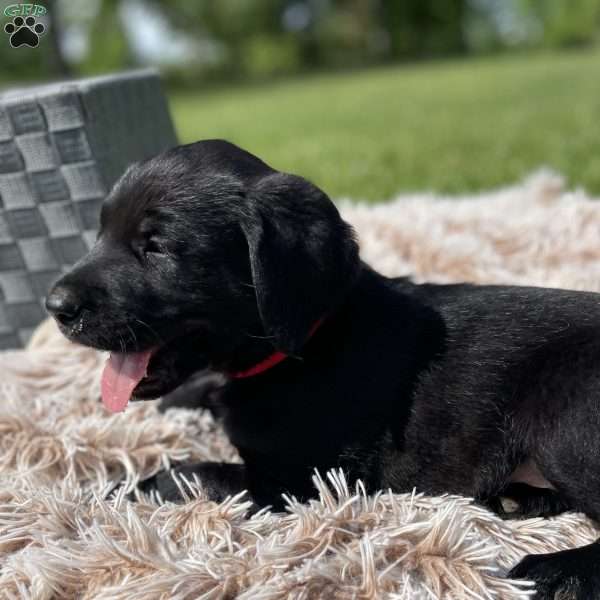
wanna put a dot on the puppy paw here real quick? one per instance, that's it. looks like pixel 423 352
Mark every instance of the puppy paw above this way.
pixel 163 484
pixel 216 481
pixel 566 575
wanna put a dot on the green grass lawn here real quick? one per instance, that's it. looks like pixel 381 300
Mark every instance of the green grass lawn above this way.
pixel 449 127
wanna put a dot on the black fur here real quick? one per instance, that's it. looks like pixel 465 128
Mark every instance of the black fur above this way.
pixel 219 260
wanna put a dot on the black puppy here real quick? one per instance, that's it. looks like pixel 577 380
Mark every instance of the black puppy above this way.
pixel 209 258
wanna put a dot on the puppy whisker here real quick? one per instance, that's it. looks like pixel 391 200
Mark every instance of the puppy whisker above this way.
pixel 259 337
pixel 133 336
pixel 122 343
pixel 151 329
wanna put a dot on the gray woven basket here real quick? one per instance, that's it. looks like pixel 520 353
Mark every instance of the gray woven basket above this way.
pixel 62 146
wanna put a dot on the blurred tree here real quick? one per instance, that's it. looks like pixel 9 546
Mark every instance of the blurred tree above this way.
pixel 59 64
pixel 107 40
pixel 493 25
pixel 350 33
pixel 260 38
pixel 241 26
pixel 565 22
pixel 421 28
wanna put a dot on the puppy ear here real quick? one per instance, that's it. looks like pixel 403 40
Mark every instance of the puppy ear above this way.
pixel 303 257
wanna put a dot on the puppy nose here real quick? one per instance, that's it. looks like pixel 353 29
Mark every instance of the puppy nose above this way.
pixel 64 304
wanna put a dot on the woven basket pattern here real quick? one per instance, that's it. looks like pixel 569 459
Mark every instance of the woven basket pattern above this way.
pixel 61 148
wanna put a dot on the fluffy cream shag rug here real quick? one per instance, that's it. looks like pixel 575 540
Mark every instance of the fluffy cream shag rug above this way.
pixel 60 537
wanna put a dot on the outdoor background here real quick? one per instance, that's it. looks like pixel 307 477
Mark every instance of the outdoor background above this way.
pixel 367 98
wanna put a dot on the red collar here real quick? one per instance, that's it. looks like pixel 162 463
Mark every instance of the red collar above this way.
pixel 271 360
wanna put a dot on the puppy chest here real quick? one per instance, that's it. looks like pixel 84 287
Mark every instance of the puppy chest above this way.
pixel 276 433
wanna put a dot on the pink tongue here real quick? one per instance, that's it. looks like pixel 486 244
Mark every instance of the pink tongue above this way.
pixel 121 374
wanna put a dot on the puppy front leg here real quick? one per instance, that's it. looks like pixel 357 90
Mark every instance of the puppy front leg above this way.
pixel 218 480
pixel 570 574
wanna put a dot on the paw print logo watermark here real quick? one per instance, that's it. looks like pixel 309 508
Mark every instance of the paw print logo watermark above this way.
pixel 24 29
pixel 24 32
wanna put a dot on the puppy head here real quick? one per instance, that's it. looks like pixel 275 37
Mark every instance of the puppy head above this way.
pixel 206 257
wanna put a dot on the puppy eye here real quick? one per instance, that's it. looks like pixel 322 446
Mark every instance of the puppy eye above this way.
pixel 148 247
pixel 151 246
